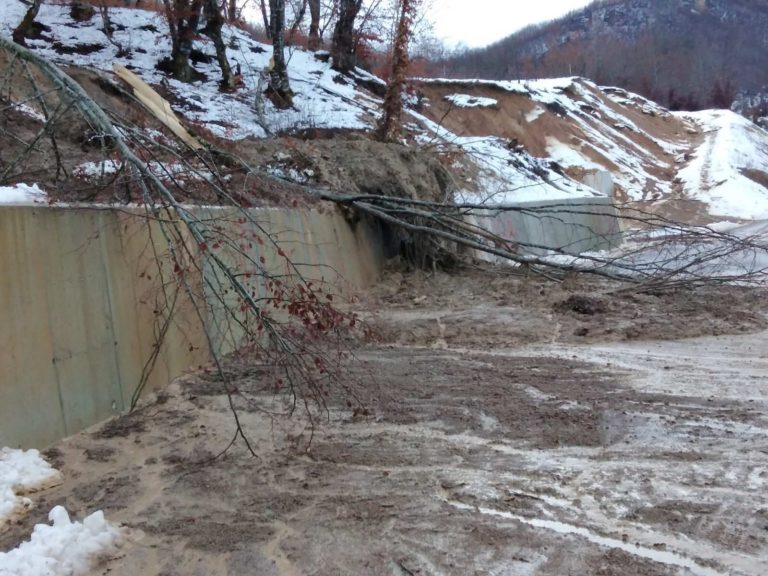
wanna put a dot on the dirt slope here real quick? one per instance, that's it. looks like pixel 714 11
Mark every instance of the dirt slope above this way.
pixel 648 150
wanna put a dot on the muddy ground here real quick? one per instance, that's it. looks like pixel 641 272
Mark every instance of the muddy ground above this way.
pixel 517 426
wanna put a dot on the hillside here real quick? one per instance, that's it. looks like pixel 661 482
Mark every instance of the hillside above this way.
pixel 696 167
pixel 685 54
pixel 324 140
pixel 479 141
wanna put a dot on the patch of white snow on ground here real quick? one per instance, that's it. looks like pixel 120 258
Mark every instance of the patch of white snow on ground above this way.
pixel 64 548
pixel 715 175
pixel 534 114
pixel 468 101
pixel 569 155
pixel 26 110
pixel 21 472
pixel 22 194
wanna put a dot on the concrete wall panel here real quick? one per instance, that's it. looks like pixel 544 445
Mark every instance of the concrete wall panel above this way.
pixel 572 226
pixel 79 291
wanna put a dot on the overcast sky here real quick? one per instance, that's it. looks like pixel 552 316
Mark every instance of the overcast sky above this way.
pixel 481 22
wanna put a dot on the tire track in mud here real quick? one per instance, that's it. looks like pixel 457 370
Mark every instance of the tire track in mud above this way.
pixel 660 364
pixel 656 555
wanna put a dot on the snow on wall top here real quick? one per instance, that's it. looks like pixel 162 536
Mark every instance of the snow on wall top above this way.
pixel 514 86
pixel 22 194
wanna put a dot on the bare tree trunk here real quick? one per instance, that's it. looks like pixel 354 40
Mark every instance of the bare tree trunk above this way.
pixel 389 125
pixel 297 21
pixel 232 10
pixel 279 90
pixel 265 17
pixel 183 19
pixel 108 28
pixel 26 27
pixel 314 24
pixel 214 22
pixel 343 48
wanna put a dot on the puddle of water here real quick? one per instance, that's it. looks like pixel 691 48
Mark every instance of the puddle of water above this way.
pixel 661 556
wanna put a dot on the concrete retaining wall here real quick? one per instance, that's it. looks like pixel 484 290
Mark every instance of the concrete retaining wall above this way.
pixel 574 225
pixel 78 296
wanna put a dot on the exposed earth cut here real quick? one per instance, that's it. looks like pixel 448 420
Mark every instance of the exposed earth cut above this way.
pixel 515 426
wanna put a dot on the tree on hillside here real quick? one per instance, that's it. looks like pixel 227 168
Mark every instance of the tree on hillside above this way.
pixel 183 20
pixel 232 10
pixel 314 25
pixel 723 94
pixel 265 17
pixel 298 9
pixel 343 47
pixel 214 21
pixel 26 28
pixel 389 126
pixel 279 89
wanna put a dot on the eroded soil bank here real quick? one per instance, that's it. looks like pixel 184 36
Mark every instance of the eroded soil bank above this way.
pixel 517 426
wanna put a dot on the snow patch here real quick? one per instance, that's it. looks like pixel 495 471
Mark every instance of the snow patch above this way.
pixel 719 172
pixel 22 472
pixel 64 548
pixel 567 156
pixel 27 111
pixel 22 194
pixel 534 114
pixel 468 101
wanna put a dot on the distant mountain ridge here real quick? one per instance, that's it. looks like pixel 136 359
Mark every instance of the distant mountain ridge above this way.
pixel 686 54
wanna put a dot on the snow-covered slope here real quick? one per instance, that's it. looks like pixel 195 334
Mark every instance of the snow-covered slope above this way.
pixel 728 169
pixel 708 165
pixel 507 141
pixel 320 100
pixel 323 98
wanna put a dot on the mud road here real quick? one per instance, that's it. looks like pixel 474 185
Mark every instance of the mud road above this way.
pixel 517 427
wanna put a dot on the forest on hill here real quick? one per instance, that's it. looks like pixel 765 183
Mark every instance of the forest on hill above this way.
pixel 684 54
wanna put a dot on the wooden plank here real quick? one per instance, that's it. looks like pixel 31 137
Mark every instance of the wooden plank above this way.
pixel 157 105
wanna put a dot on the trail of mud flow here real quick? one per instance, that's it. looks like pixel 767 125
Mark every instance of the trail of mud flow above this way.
pixel 499 443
